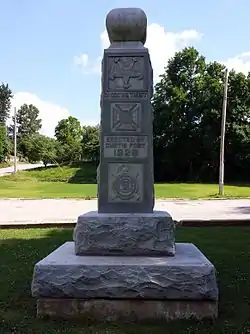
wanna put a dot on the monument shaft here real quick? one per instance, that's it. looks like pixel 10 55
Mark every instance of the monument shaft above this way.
pixel 126 147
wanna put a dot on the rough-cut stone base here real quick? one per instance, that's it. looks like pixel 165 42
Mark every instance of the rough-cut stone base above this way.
pixel 126 310
pixel 125 234
pixel 186 276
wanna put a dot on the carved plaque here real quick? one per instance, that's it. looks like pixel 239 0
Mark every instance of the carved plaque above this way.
pixel 125 183
pixel 125 147
pixel 125 73
pixel 125 117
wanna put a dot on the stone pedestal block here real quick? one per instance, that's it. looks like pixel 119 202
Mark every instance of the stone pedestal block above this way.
pixel 188 275
pixel 149 234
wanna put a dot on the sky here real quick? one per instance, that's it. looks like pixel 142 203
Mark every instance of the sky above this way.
pixel 51 49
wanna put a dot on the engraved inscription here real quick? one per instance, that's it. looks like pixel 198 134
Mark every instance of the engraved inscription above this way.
pixel 125 183
pixel 125 117
pixel 125 95
pixel 125 147
pixel 126 73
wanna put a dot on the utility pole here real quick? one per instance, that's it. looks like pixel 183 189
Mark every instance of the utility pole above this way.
pixel 15 132
pixel 222 138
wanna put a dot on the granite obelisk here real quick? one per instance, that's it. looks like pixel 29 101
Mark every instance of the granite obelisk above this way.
pixel 126 161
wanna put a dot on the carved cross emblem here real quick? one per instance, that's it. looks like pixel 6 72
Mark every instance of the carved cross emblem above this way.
pixel 126 117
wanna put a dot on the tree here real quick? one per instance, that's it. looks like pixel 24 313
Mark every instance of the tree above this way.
pixel 90 143
pixel 68 153
pixel 5 144
pixel 237 142
pixel 28 122
pixel 187 107
pixel 211 97
pixel 5 102
pixel 2 142
pixel 68 130
pixel 177 112
pixel 68 133
pixel 40 148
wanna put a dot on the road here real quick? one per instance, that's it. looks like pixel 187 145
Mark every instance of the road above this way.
pixel 9 170
pixel 67 211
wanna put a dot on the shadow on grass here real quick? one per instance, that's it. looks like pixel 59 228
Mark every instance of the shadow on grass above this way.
pixel 85 174
pixel 228 248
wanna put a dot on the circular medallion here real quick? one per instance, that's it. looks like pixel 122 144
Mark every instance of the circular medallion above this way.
pixel 125 186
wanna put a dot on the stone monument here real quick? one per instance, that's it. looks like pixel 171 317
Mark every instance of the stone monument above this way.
pixel 126 161
pixel 124 262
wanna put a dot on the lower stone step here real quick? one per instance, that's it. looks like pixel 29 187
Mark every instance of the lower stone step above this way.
pixel 126 310
pixel 188 275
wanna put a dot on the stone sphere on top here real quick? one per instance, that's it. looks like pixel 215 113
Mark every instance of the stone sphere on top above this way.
pixel 126 25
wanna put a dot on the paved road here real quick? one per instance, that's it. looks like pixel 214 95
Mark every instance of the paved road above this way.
pixel 66 211
pixel 9 170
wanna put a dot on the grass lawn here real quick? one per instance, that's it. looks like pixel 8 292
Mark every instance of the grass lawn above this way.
pixel 75 182
pixel 227 247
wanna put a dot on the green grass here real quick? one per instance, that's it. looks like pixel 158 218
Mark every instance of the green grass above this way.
pixel 61 174
pixel 26 189
pixel 79 182
pixel 227 247
pixel 78 175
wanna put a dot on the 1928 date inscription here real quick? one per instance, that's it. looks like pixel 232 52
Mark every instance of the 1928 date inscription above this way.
pixel 125 146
